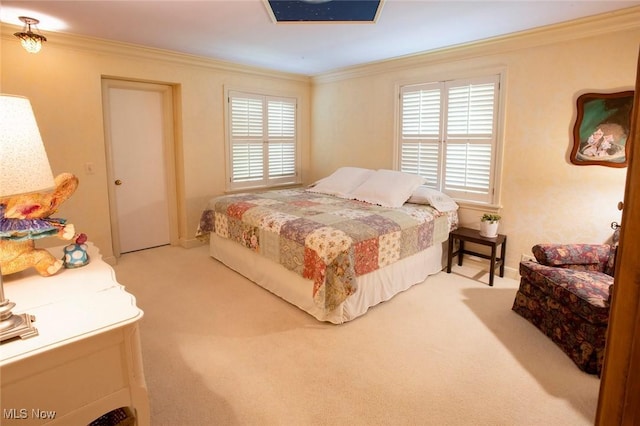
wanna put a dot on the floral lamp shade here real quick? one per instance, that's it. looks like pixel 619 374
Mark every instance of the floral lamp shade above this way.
pixel 24 166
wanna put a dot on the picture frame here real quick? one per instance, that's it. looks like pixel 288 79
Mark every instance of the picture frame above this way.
pixel 601 130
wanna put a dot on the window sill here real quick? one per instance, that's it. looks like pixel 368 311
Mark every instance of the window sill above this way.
pixel 485 208
pixel 263 188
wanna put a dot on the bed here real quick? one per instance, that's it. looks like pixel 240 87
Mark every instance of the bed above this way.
pixel 337 248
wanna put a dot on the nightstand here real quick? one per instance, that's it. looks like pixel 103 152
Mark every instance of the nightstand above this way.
pixel 86 359
pixel 473 236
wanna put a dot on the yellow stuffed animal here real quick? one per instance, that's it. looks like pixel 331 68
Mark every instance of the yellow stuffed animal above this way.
pixel 24 218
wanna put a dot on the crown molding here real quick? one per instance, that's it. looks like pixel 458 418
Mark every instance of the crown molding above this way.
pixel 611 22
pixel 138 52
pixel 607 23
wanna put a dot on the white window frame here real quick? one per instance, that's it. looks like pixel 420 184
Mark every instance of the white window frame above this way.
pixel 431 141
pixel 261 137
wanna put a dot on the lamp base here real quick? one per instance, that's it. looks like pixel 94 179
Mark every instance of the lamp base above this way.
pixel 12 325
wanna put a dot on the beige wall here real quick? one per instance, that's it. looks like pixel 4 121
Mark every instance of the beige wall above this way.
pixel 347 118
pixel 63 82
pixel 544 197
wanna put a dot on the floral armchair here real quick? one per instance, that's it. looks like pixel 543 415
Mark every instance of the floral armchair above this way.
pixel 566 294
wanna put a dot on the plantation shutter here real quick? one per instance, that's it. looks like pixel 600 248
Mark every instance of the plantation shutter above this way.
pixel 420 134
pixel 281 138
pixel 262 140
pixel 448 135
pixel 247 125
pixel 470 138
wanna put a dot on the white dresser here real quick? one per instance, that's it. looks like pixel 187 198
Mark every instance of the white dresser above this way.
pixel 86 359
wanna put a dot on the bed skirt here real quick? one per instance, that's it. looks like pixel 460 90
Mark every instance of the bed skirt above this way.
pixel 372 288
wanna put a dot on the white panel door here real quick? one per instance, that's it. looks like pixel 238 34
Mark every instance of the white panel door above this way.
pixel 138 173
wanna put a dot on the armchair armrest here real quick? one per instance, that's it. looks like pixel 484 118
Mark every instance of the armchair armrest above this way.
pixel 588 257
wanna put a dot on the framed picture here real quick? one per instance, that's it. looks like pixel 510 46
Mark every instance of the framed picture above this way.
pixel 602 127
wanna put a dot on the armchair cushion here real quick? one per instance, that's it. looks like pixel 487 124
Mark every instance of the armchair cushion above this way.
pixel 584 293
pixel 581 257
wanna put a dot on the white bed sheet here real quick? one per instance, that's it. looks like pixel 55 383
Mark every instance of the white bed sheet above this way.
pixel 372 288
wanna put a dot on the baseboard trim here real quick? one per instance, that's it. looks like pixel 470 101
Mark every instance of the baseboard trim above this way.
pixel 191 243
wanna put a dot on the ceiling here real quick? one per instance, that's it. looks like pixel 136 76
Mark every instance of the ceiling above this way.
pixel 244 32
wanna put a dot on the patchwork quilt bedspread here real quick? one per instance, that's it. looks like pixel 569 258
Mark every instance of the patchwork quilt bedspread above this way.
pixel 323 238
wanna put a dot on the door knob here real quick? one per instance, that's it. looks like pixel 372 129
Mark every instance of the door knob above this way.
pixel 118 182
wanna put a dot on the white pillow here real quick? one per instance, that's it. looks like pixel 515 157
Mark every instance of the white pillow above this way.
pixel 341 182
pixel 425 195
pixel 388 188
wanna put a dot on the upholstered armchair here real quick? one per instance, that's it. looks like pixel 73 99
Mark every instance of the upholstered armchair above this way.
pixel 566 294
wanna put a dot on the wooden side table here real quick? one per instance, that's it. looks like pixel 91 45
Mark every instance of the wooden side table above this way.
pixel 473 236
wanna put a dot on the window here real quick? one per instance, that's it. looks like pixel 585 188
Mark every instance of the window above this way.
pixel 262 140
pixel 448 135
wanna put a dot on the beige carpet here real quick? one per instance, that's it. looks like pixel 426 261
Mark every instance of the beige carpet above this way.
pixel 219 350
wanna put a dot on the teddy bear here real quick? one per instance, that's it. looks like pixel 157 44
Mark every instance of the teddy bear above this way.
pixel 24 218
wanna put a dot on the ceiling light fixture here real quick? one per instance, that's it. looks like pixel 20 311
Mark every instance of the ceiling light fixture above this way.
pixel 31 41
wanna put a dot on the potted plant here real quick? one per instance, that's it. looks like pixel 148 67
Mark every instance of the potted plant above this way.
pixel 489 225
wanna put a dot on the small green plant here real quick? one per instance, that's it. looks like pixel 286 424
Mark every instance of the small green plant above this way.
pixel 492 218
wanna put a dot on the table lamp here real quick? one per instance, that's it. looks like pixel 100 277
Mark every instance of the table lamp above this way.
pixel 24 168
